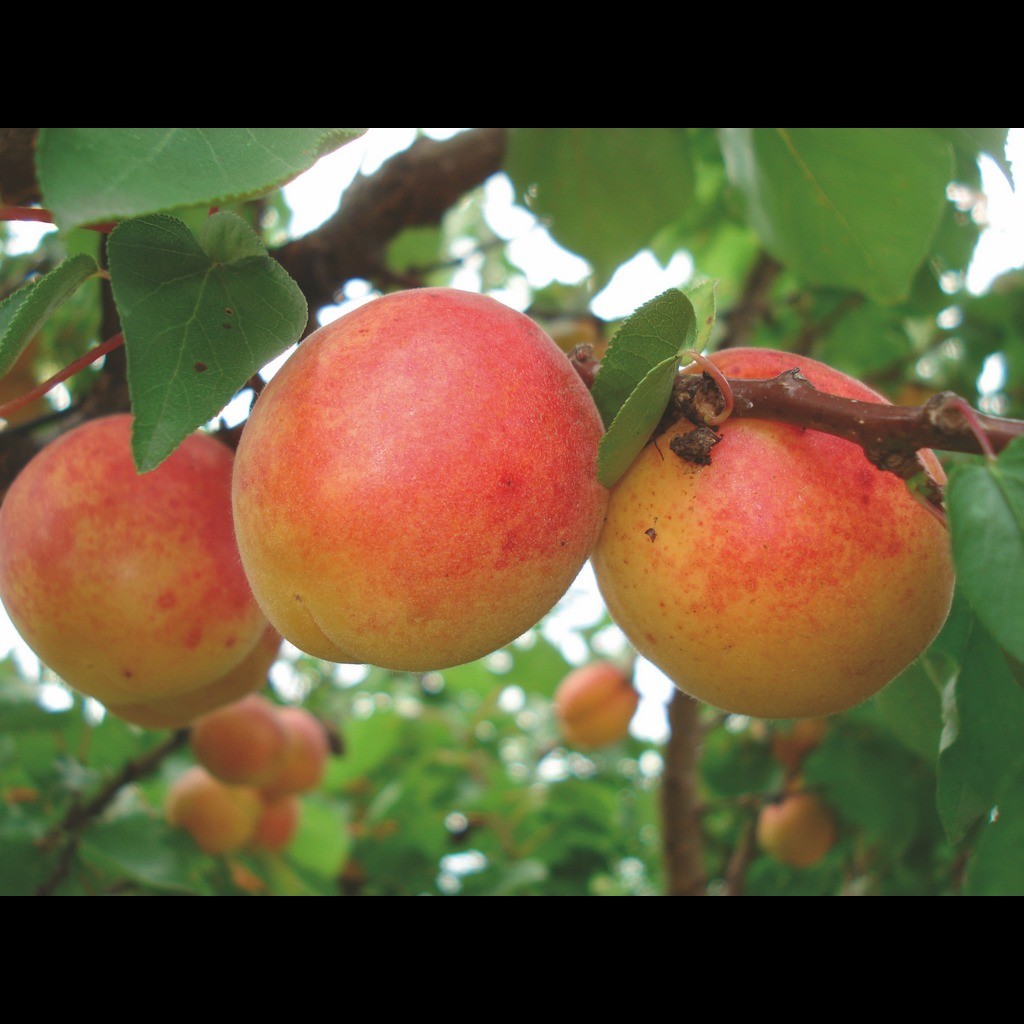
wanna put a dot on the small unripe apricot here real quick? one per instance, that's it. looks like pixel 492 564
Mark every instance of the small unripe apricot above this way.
pixel 594 705
pixel 221 818
pixel 797 830
pixel 243 743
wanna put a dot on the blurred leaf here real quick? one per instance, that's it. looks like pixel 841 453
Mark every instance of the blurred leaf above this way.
pixel 912 706
pixel 604 192
pixel 24 312
pixel 866 341
pixel 199 318
pixel 98 175
pixel 369 742
pixel 986 517
pixel 141 849
pixel 635 382
pixel 981 744
pixel 996 867
pixel 990 141
pixel 852 208
pixel 322 843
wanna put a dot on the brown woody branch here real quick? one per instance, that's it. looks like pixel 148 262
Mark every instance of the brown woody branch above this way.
pixel 891 435
pixel 414 188
pixel 682 839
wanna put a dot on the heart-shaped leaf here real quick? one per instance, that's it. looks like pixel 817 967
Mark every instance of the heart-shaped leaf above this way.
pixel 199 320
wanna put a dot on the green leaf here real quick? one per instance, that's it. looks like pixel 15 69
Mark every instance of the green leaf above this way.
pixel 996 867
pixel 986 517
pixel 912 706
pixel 605 192
pixel 97 175
pixel 25 311
pixel 981 743
pixel 851 208
pixel 990 141
pixel 635 381
pixel 199 320
pixel 137 847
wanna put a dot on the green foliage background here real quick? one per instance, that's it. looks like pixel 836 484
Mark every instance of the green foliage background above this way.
pixel 849 245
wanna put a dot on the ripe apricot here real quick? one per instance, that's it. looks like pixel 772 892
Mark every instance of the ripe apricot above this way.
pixel 789 578
pixel 417 486
pixel 127 585
pixel 242 743
pixel 221 818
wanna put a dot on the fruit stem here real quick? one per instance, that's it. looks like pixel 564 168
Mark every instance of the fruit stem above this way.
pixel 703 363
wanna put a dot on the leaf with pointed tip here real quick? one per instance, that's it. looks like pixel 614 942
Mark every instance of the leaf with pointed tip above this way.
pixel 199 319
pixel 635 381
pixel 850 208
pixel 97 175
pixel 25 311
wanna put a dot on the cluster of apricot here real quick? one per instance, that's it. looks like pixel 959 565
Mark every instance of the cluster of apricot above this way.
pixel 255 758
pixel 418 486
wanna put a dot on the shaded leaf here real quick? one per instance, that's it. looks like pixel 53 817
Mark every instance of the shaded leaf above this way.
pixel 97 175
pixel 851 208
pixel 981 742
pixel 635 381
pixel 25 311
pixel 986 517
pixel 996 867
pixel 199 320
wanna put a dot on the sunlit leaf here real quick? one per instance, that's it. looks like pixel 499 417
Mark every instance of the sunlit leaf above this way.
pixel 97 175
pixel 604 192
pixel 852 208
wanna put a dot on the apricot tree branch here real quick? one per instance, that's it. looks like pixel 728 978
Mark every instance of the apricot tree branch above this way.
pixel 681 825
pixel 890 435
pixel 69 830
pixel 413 188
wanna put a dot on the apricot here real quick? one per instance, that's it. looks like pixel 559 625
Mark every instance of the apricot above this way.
pixel 278 823
pixel 797 830
pixel 221 818
pixel 417 486
pixel 790 746
pixel 243 743
pixel 180 710
pixel 128 586
pixel 305 754
pixel 594 705
pixel 789 578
